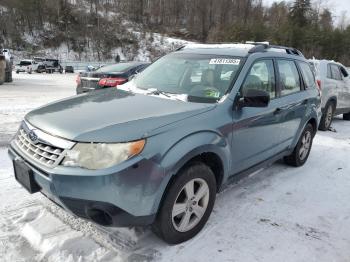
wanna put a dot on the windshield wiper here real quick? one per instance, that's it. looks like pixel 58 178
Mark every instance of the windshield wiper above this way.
pixel 157 92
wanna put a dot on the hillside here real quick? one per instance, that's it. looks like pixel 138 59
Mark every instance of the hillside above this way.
pixel 139 29
pixel 76 32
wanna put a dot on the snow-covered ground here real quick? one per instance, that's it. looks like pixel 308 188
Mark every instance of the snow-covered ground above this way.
pixel 278 214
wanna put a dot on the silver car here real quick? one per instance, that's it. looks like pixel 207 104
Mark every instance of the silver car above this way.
pixel 334 81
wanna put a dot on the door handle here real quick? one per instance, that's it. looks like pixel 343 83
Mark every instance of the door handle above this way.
pixel 305 101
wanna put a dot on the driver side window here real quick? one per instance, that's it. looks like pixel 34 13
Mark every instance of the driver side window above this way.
pixel 261 77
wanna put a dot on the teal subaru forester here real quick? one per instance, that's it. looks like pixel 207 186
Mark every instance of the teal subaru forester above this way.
pixel 156 150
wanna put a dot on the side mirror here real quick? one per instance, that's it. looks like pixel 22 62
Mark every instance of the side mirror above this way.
pixel 254 98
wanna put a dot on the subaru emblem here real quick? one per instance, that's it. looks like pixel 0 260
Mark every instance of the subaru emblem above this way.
pixel 33 136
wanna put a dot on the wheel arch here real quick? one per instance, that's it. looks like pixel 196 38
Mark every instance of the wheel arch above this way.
pixel 214 154
pixel 332 99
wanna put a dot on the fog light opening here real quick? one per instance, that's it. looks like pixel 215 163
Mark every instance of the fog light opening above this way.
pixel 100 216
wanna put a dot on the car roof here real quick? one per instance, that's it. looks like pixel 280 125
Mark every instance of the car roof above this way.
pixel 316 61
pixel 242 50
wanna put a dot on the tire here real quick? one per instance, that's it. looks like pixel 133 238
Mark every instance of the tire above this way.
pixel 302 150
pixel 170 228
pixel 346 116
pixel 2 76
pixel 9 77
pixel 327 117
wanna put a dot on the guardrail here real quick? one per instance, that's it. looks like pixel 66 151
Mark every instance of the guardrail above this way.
pixel 78 65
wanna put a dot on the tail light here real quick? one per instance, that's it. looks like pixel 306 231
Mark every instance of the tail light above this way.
pixel 78 80
pixel 112 81
pixel 319 84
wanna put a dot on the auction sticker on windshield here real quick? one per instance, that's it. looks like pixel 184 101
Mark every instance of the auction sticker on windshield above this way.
pixel 224 61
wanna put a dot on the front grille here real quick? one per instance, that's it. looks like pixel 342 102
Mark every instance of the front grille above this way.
pixel 45 154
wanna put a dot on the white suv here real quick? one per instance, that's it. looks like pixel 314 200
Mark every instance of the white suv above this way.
pixel 334 81
pixel 28 66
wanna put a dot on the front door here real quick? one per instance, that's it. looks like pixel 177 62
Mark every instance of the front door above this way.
pixel 256 131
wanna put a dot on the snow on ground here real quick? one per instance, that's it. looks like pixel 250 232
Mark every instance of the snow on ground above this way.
pixel 27 92
pixel 279 214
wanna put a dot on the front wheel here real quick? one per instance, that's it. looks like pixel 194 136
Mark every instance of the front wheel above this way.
pixel 187 204
pixel 302 150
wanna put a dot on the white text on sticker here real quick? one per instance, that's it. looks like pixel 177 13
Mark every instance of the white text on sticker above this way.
pixel 224 61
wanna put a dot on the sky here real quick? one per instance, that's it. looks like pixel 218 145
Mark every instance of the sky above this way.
pixel 336 6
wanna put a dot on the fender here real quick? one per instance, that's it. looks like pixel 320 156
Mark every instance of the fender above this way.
pixel 193 145
pixel 331 99
pixel 313 115
pixel 189 147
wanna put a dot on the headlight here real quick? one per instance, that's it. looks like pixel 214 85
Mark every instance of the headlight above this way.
pixel 100 155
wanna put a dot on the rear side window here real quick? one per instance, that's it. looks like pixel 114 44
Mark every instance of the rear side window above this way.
pixel 289 77
pixel 329 72
pixel 336 72
pixel 344 72
pixel 261 77
pixel 25 63
pixel 307 74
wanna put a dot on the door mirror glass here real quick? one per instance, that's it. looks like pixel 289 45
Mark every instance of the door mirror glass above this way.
pixel 254 98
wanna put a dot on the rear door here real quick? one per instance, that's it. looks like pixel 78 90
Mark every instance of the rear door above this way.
pixel 344 92
pixel 292 100
pixel 339 85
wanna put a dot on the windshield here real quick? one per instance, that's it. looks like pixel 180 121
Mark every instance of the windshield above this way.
pixel 116 68
pixel 196 75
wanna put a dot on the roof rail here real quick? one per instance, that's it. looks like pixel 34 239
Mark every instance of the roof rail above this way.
pixel 263 46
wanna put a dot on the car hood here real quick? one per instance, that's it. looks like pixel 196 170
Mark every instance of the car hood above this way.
pixel 111 116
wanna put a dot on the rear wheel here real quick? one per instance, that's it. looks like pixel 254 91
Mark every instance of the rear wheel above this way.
pixel 302 150
pixel 327 117
pixel 187 204
pixel 9 76
pixel 2 74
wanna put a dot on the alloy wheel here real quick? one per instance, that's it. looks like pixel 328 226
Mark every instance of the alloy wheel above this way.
pixel 329 116
pixel 305 145
pixel 190 205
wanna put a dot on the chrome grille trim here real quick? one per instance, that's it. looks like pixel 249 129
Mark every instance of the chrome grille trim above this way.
pixel 46 150
pixel 44 154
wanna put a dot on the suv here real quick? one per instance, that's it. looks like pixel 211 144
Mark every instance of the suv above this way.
pixel 27 65
pixel 333 79
pixel 158 149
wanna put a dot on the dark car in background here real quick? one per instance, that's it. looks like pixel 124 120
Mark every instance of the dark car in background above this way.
pixel 69 69
pixel 108 76
pixel 48 65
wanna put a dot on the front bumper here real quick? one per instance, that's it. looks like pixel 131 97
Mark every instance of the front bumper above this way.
pixel 127 195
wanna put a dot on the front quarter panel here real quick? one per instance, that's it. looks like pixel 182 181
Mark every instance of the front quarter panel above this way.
pixel 177 144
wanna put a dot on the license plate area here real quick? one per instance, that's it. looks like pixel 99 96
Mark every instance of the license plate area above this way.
pixel 25 176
